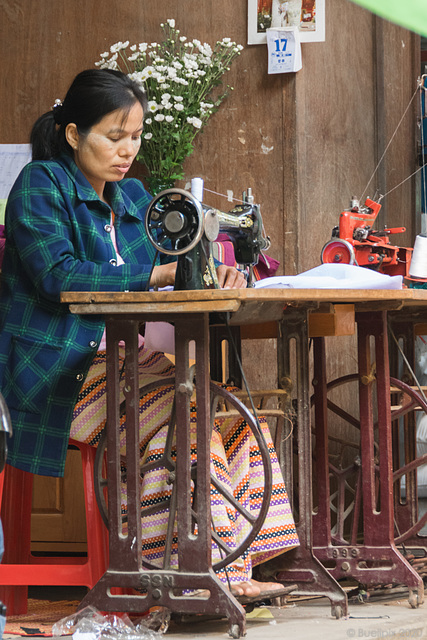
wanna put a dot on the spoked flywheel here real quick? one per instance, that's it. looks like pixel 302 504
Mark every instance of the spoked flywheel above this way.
pixel 167 461
pixel 345 466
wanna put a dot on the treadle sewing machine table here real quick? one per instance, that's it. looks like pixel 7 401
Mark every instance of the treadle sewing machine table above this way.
pixel 190 312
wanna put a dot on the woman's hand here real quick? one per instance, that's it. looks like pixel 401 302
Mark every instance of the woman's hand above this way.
pixel 230 278
pixel 163 275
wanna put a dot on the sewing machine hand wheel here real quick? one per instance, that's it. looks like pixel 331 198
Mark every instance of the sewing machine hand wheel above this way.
pixel 174 222
pixel 338 251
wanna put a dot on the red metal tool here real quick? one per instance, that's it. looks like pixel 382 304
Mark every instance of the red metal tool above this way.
pixel 354 241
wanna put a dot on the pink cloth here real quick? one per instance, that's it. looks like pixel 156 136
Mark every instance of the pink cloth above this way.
pixel 2 242
pixel 266 267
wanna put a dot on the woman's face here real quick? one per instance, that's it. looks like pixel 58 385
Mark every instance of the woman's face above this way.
pixel 106 153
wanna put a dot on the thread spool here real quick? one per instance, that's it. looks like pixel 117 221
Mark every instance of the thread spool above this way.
pixel 418 266
pixel 197 188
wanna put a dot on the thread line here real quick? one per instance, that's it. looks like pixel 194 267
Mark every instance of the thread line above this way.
pixel 222 195
pixel 390 141
pixel 403 181
pixel 423 118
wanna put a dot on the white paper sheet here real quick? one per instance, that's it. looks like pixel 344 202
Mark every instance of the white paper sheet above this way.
pixel 13 157
pixel 334 276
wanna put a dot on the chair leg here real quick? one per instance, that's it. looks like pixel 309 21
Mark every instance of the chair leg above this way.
pixel 97 534
pixel 16 521
pixel 1 486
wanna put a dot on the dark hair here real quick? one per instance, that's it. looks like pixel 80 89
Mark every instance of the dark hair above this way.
pixel 93 94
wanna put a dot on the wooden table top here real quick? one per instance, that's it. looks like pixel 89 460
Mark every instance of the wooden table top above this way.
pixel 246 305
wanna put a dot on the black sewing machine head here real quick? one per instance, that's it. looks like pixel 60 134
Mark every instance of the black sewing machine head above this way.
pixel 178 224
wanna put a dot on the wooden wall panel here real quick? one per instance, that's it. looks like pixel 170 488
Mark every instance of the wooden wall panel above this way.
pixel 402 102
pixel 335 128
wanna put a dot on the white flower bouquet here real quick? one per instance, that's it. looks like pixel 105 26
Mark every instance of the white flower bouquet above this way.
pixel 182 81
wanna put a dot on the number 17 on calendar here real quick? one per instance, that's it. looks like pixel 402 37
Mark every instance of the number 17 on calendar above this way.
pixel 284 50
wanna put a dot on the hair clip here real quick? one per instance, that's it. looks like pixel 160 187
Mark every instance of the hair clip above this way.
pixel 57 108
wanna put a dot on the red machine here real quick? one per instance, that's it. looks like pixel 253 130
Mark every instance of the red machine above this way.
pixel 355 242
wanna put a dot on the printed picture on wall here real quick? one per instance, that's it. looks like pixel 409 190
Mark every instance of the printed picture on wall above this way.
pixel 307 15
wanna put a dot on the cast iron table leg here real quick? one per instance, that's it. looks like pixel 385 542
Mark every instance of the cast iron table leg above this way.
pixel 165 587
pixel 300 565
pixel 376 560
pixel 405 509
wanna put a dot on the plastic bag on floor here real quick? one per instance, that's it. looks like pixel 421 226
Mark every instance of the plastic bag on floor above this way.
pixel 90 624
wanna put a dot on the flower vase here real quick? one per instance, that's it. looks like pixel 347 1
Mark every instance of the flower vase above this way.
pixel 157 184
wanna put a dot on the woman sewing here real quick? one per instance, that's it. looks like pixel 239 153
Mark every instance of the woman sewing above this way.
pixel 74 223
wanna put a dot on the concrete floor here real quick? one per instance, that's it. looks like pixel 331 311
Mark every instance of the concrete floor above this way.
pixel 313 621
pixel 310 620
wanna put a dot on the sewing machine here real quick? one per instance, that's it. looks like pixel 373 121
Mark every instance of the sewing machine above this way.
pixel 178 224
pixel 355 242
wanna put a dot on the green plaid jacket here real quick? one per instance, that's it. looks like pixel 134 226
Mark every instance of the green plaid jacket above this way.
pixel 58 239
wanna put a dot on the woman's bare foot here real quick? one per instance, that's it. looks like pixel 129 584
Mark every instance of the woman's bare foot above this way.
pixel 245 589
pixel 264 587
pixel 253 588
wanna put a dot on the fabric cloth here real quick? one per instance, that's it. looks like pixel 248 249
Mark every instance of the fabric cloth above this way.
pixel 223 251
pixel 236 463
pixel 58 238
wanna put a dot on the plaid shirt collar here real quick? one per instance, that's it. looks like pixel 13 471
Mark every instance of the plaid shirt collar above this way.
pixel 120 201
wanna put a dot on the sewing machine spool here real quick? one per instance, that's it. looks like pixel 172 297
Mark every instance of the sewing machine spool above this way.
pixel 418 267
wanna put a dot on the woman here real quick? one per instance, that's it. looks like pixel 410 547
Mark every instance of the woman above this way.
pixel 73 223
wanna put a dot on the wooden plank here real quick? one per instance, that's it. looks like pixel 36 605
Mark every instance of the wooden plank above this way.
pixel 339 321
pixel 335 137
pixel 257 311
pixel 286 296
pixel 259 331
pixel 58 511
pixel 245 305
pixel 155 309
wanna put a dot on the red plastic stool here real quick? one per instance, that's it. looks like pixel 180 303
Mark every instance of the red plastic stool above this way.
pixel 1 486
pixel 19 568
